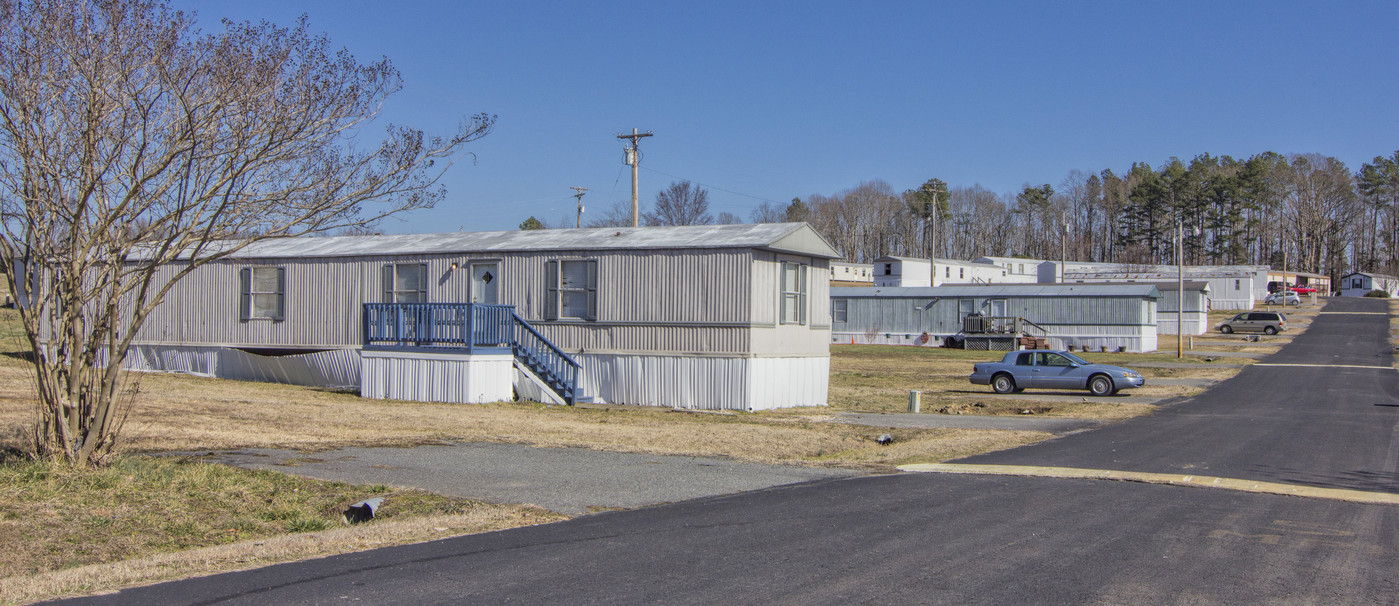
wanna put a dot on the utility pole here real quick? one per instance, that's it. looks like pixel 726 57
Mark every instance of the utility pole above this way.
pixel 632 158
pixel 932 251
pixel 579 195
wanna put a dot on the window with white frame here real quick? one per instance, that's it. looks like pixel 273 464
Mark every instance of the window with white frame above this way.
pixel 793 293
pixel 405 283
pixel 839 309
pixel 572 290
pixel 263 293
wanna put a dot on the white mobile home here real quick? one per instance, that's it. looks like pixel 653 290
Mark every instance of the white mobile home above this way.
pixel 908 272
pixel 902 272
pixel 852 274
pixel 1359 284
pixel 1018 270
pixel 709 317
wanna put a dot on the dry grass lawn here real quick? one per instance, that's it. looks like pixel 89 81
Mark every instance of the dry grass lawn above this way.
pixel 874 378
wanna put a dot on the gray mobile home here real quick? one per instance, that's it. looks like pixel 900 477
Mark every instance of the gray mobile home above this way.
pixel 709 317
pixel 1091 316
pixel 1231 286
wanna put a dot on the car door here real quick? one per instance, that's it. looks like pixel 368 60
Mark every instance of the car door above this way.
pixel 1053 371
pixel 1024 369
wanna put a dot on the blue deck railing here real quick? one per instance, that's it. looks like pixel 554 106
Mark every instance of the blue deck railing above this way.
pixel 470 327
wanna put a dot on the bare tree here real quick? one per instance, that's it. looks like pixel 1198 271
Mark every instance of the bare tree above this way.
pixel 683 203
pixel 767 212
pixel 617 215
pixel 132 141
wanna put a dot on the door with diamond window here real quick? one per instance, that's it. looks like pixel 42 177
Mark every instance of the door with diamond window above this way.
pixel 485 283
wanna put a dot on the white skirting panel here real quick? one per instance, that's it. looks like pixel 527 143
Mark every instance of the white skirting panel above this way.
pixel 803 382
pixel 1195 324
pixel 705 383
pixel 435 377
pixel 336 368
pixel 1216 304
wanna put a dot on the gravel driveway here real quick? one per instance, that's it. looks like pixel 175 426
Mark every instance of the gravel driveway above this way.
pixel 567 480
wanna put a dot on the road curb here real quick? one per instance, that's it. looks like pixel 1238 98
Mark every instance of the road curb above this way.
pixel 1335 494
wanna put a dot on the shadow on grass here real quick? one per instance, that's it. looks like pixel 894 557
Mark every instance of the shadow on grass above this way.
pixel 21 355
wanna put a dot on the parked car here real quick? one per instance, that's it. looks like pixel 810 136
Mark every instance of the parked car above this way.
pixel 1277 298
pixel 1052 369
pixel 1267 322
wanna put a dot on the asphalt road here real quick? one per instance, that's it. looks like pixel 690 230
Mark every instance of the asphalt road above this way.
pixel 971 539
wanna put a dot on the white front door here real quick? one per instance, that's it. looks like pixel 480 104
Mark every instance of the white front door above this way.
pixel 485 283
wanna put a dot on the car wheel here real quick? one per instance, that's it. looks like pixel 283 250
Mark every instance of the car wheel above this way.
pixel 1100 386
pixel 1269 330
pixel 1002 383
pixel 1226 329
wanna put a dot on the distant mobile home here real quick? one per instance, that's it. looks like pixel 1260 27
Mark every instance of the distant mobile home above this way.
pixel 707 317
pixel 1359 284
pixel 1092 316
pixel 903 272
pixel 1231 286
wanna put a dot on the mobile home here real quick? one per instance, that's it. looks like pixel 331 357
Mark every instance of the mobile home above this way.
pixel 708 317
pixel 1091 316
pixel 1359 284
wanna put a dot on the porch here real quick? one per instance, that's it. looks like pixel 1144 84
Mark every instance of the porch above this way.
pixel 1002 333
pixel 458 352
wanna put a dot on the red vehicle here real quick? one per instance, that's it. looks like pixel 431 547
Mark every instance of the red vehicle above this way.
pixel 1276 286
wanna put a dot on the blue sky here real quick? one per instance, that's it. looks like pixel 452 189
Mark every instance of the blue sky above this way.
pixel 774 100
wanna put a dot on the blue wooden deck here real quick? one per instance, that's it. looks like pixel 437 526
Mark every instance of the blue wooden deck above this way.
pixel 469 328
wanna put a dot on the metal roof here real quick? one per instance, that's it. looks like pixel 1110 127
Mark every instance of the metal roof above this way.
pixel 797 238
pixel 1141 289
pixel 1371 274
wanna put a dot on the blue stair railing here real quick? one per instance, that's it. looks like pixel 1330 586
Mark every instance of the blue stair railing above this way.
pixel 470 327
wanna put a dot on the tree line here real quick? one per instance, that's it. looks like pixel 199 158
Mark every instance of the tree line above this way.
pixel 1306 211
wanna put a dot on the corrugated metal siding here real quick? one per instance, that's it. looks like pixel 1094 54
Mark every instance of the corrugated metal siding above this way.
pixel 460 379
pixel 660 287
pixel 324 297
pixel 788 382
pixel 339 368
pixel 705 383
pixel 575 337
pixel 941 316
pixel 683 301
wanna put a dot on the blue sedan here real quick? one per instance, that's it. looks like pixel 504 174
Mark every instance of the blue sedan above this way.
pixel 1053 369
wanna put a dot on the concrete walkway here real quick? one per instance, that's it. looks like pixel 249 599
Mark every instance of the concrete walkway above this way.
pixel 567 480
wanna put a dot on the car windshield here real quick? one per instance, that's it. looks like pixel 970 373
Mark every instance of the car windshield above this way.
pixel 1075 359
